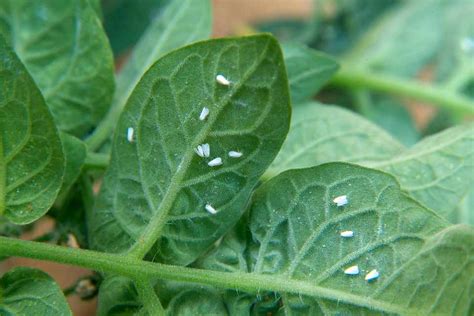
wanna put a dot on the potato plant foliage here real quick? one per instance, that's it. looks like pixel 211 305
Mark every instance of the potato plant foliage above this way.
pixel 250 175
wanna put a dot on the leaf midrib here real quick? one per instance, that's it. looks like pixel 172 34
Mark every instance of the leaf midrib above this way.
pixel 155 226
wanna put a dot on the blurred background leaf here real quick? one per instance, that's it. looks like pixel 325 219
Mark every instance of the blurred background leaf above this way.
pixel 125 20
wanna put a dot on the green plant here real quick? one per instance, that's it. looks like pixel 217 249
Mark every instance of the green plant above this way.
pixel 258 231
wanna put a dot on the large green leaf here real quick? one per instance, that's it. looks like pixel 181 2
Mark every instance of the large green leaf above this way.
pixel 437 171
pixel 425 265
pixel 26 291
pixel 321 133
pixel 308 70
pixel 65 49
pixel 183 22
pixel 31 158
pixel 156 187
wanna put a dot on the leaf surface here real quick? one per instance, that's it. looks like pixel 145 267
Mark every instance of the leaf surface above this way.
pixel 75 154
pixel 425 265
pixel 321 133
pixel 31 158
pixel 181 23
pixel 403 40
pixel 26 291
pixel 65 49
pixel 437 171
pixel 308 70
pixel 118 296
pixel 156 187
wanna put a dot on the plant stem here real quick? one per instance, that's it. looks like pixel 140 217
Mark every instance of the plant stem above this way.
pixel 96 160
pixel 138 269
pixel 3 179
pixel 355 78
pixel 149 298
pixel 104 129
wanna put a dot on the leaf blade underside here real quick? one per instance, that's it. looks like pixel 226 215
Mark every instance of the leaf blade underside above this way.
pixel 425 265
pixel 27 291
pixel 168 200
pixel 308 70
pixel 325 133
pixel 291 238
pixel 31 157
pixel 437 171
pixel 64 47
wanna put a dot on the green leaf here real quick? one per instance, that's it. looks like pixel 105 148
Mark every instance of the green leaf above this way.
pixel 156 187
pixel 182 22
pixel 31 158
pixel 125 21
pixel 27 291
pixel 390 114
pixel 197 302
pixel 403 41
pixel 321 133
pixel 425 265
pixel 96 5
pixel 438 170
pixel 308 70
pixel 75 154
pixel 465 208
pixel 65 49
pixel 118 296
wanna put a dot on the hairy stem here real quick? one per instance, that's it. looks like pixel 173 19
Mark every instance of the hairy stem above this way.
pixel 138 269
pixel 148 297
pixel 355 78
pixel 3 179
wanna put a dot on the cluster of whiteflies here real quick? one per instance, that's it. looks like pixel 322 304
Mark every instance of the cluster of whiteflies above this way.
pixel 353 270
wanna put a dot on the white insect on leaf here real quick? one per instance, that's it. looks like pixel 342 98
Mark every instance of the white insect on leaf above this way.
pixel 347 233
pixel 341 200
pixel 354 270
pixel 222 80
pixel 204 114
pixel 372 275
pixel 206 150
pixel 199 151
pixel 130 132
pixel 235 154
pixel 215 162
pixel 210 209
